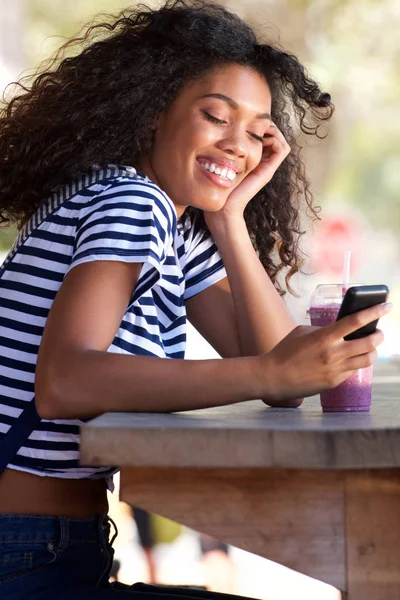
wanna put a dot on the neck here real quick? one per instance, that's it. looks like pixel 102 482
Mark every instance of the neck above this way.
pixel 145 167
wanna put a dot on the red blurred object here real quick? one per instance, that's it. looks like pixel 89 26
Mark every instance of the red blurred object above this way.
pixel 333 236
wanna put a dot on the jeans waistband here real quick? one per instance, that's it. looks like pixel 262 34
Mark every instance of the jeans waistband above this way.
pixel 35 528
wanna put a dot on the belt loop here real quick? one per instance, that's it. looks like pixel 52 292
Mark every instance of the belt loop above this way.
pixel 64 533
pixel 116 530
pixel 104 525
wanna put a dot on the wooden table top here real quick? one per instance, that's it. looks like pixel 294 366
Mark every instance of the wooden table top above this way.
pixel 252 435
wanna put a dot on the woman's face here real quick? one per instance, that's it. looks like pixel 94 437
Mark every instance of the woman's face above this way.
pixel 210 137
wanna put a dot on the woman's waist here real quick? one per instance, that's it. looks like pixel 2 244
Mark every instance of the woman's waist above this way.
pixel 27 494
pixel 25 529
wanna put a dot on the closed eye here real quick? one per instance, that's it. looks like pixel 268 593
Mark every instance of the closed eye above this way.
pixel 220 122
pixel 213 119
pixel 256 137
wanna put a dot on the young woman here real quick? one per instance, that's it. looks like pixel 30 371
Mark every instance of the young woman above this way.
pixel 155 175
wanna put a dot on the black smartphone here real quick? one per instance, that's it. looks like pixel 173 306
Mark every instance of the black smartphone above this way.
pixel 360 297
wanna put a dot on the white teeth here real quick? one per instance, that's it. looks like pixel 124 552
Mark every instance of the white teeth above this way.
pixel 225 173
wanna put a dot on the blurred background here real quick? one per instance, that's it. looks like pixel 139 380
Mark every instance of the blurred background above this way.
pixel 352 47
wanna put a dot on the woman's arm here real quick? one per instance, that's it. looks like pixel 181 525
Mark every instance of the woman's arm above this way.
pixel 247 314
pixel 261 317
pixel 77 378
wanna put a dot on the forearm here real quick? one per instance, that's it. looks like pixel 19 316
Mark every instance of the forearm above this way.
pixel 262 317
pixel 88 383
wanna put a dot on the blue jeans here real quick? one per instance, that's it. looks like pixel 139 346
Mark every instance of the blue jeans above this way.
pixel 57 558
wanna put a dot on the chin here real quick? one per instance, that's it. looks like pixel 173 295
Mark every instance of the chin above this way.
pixel 215 208
pixel 208 205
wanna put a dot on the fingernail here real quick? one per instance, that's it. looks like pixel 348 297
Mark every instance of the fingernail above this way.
pixel 387 306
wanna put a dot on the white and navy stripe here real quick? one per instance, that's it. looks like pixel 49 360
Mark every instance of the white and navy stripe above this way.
pixel 109 214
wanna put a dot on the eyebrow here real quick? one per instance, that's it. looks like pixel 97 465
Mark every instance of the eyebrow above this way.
pixel 234 104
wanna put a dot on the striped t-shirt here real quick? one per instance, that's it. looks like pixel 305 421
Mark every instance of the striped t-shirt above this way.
pixel 108 214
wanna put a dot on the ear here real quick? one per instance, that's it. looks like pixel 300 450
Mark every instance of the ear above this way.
pixel 158 120
pixel 154 124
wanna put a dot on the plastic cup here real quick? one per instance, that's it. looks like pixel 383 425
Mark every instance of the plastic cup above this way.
pixel 354 394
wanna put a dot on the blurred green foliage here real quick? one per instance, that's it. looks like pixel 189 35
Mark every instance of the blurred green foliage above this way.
pixel 7 237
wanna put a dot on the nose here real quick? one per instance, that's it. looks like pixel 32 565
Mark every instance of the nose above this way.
pixel 234 143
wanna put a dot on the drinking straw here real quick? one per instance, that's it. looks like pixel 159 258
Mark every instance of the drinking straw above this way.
pixel 346 271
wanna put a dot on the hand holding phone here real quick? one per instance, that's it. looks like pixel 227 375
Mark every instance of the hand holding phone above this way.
pixel 358 298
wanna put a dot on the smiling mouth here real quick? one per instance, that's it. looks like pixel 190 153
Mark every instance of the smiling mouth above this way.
pixel 223 173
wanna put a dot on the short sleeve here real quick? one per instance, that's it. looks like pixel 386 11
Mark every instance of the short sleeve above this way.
pixel 130 221
pixel 203 262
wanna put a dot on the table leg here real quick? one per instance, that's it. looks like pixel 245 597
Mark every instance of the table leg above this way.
pixel 372 506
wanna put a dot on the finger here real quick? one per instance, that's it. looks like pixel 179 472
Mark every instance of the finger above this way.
pixel 272 163
pixel 353 322
pixel 364 345
pixel 362 361
pixel 273 156
pixel 275 143
pixel 274 131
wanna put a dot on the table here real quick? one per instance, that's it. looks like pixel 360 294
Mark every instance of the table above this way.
pixel 319 493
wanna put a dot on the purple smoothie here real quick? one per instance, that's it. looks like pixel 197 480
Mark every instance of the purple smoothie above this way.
pixel 354 394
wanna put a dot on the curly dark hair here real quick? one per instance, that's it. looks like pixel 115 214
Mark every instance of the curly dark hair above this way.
pixel 98 106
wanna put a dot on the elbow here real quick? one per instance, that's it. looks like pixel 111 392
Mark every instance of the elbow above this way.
pixel 47 406
pixel 288 403
pixel 295 403
pixel 49 396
